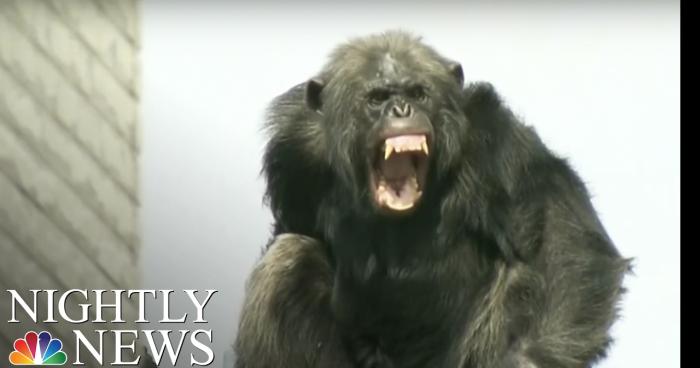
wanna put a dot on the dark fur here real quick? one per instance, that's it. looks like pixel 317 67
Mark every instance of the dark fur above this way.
pixel 503 264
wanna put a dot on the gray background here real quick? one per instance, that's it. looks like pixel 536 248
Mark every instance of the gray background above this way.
pixel 600 83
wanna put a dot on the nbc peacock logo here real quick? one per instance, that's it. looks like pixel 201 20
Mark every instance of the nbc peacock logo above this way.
pixel 38 349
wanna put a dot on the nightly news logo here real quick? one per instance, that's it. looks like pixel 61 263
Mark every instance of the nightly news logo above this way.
pixel 40 349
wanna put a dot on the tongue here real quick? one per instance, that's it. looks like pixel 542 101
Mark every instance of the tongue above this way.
pixel 398 195
pixel 398 186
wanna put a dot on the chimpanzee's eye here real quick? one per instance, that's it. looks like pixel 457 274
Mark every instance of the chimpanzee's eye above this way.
pixel 417 93
pixel 377 97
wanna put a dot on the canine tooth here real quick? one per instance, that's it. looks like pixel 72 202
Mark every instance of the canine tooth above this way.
pixel 424 145
pixel 387 151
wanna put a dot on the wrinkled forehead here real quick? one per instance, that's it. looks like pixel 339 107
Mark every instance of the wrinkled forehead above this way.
pixel 397 68
pixel 362 68
pixel 394 67
pixel 386 66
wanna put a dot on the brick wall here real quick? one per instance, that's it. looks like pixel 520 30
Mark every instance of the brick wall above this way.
pixel 69 148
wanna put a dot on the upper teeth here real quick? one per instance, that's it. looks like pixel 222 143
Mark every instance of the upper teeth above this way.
pixel 405 143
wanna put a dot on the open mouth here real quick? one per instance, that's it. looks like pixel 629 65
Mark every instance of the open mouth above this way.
pixel 399 172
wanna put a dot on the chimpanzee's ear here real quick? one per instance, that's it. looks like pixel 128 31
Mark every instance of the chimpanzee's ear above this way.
pixel 313 93
pixel 456 71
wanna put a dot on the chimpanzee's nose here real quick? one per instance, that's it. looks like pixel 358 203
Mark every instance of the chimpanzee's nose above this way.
pixel 401 110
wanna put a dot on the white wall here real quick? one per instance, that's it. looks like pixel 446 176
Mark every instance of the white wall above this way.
pixel 601 84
